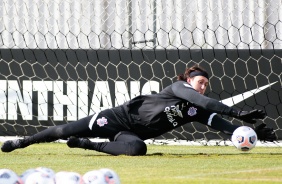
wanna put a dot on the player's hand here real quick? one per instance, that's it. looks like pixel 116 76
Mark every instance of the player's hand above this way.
pixel 264 133
pixel 250 116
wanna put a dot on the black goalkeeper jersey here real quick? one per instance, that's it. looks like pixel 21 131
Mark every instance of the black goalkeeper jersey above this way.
pixel 153 115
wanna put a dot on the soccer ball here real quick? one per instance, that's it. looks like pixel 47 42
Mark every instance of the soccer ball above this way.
pixel 244 138
pixel 110 176
pixel 8 176
pixel 94 177
pixel 26 173
pixel 64 177
pixel 46 170
pixel 39 178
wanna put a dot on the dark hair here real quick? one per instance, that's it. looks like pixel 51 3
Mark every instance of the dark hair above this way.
pixel 188 71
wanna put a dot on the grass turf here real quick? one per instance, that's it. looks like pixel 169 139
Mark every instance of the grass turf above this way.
pixel 162 164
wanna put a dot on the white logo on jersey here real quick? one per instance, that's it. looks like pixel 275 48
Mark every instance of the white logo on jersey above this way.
pixel 192 111
pixel 171 112
pixel 102 121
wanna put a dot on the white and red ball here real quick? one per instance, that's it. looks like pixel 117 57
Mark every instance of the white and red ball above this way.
pixel 64 177
pixel 94 177
pixel 40 178
pixel 110 176
pixel 26 173
pixel 244 138
pixel 8 176
pixel 46 170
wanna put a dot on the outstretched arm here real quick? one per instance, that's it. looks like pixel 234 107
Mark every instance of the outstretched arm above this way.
pixel 223 125
pixel 185 91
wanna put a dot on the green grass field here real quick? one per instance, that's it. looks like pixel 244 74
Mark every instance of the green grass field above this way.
pixel 162 164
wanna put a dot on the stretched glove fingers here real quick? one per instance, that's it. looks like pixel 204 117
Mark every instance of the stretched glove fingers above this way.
pixel 271 137
pixel 264 133
pixel 261 114
pixel 269 130
pixel 257 114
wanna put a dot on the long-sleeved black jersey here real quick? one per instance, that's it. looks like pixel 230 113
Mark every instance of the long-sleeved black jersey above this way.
pixel 153 115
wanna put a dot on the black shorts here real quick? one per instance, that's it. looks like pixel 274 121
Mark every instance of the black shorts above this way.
pixel 107 124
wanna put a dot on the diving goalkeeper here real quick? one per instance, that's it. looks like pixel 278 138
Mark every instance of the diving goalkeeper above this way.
pixel 148 116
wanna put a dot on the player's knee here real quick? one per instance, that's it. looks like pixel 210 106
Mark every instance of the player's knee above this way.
pixel 137 148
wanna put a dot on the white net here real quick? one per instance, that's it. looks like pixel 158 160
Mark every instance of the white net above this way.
pixel 126 24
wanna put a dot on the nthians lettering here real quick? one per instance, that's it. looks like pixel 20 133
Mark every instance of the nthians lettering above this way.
pixel 16 98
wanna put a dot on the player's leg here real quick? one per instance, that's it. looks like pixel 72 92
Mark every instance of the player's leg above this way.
pixel 75 128
pixel 124 143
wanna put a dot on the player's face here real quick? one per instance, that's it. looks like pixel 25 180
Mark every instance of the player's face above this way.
pixel 199 83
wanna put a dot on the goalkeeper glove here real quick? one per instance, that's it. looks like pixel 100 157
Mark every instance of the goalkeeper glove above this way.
pixel 248 116
pixel 264 133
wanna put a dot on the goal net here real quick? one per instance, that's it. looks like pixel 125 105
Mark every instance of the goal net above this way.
pixel 62 60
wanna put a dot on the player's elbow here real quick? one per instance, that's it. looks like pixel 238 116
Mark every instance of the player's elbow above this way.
pixel 137 148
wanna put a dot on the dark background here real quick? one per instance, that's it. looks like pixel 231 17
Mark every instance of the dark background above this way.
pixel 232 72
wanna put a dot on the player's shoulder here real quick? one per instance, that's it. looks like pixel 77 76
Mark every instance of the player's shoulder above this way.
pixel 181 84
pixel 176 87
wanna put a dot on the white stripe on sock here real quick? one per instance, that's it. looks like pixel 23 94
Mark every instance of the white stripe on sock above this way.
pixel 210 118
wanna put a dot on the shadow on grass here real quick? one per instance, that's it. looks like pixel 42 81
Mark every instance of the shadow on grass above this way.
pixel 210 154
pixel 174 155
